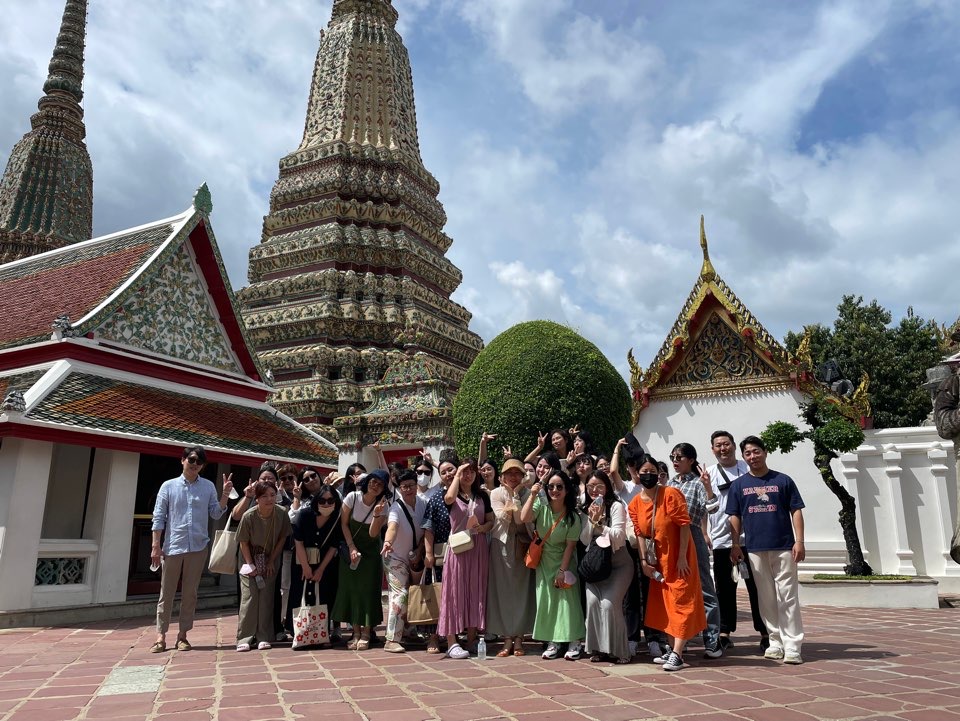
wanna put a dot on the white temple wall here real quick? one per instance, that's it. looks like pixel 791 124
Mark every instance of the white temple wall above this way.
pixel 905 483
pixel 24 472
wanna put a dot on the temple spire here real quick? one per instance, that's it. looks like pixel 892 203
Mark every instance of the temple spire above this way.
pixel 46 193
pixel 706 270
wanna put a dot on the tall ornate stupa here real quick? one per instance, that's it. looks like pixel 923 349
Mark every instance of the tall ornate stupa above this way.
pixel 46 193
pixel 350 269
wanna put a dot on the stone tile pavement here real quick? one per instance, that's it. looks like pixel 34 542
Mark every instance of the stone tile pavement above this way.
pixel 860 664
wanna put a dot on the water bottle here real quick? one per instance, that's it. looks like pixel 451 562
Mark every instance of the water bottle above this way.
pixel 355 564
pixel 482 649
pixel 261 584
pixel 744 569
pixel 657 576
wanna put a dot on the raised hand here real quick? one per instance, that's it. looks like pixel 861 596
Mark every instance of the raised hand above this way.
pixel 227 484
pixel 249 491
pixel 488 437
pixel 507 452
pixel 595 513
pixel 297 490
pixel 575 430
pixel 541 440
pixel 379 508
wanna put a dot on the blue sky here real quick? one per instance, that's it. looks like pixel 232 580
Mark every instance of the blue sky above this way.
pixel 576 143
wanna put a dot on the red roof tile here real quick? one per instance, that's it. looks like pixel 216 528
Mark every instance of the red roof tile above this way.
pixel 103 404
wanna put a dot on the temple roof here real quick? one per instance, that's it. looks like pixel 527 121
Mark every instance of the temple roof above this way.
pixel 716 345
pixel 93 288
pixel 70 399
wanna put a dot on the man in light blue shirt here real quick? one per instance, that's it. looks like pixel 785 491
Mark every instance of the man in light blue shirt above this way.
pixel 183 506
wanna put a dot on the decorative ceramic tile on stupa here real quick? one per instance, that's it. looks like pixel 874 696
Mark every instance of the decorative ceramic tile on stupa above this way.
pixel 412 404
pixel 46 192
pixel 351 266
pixel 170 314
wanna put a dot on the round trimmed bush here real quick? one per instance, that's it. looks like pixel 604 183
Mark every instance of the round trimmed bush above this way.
pixel 533 378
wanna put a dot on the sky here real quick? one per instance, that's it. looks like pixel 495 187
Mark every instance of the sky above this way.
pixel 576 144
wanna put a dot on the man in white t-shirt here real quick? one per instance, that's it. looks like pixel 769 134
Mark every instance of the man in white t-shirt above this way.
pixel 722 474
pixel 403 554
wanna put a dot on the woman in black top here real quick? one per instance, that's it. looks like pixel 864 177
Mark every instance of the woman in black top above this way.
pixel 317 536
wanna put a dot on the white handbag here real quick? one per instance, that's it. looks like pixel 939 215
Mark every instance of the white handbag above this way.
pixel 223 553
pixel 462 540
pixel 311 624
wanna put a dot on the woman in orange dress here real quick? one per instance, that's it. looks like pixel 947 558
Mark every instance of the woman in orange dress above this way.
pixel 675 599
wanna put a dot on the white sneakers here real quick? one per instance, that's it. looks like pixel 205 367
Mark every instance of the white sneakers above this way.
pixel 774 653
pixel 551 651
pixel 458 652
pixel 573 654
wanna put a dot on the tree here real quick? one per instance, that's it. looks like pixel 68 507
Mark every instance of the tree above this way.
pixel 896 357
pixel 831 433
pixel 535 377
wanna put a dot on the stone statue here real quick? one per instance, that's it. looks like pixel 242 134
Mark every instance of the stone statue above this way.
pixel 946 416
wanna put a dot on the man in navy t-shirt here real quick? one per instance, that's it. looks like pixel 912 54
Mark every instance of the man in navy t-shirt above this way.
pixel 766 505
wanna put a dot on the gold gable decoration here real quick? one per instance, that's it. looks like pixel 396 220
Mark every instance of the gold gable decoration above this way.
pixel 747 357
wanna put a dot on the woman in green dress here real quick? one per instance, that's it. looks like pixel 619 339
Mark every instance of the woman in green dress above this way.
pixel 361 578
pixel 559 613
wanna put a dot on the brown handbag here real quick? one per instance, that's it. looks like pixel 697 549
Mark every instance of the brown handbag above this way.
pixel 532 559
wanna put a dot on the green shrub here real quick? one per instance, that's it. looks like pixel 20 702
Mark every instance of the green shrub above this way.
pixel 535 377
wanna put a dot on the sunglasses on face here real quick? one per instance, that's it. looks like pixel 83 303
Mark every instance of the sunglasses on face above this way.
pixel 310 476
pixel 326 502
pixel 555 487
pixel 194 460
pixel 288 478
pixel 677 459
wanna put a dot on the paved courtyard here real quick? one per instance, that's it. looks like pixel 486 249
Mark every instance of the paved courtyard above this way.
pixel 860 664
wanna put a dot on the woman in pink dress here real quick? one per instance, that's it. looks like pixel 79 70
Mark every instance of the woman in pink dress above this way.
pixel 464 591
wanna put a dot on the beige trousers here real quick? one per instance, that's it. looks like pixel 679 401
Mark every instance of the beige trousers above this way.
pixel 190 567
pixel 255 622
pixel 775 574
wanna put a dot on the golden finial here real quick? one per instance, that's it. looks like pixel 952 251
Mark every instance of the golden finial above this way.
pixel 706 272
pixel 861 396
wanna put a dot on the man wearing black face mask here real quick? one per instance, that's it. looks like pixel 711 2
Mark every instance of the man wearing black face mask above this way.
pixel 722 475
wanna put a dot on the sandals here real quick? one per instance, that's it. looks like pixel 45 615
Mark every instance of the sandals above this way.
pixel 158 647
pixel 242 647
pixel 183 645
pixel 598 658
pixel 264 646
pixel 363 644
pixel 504 652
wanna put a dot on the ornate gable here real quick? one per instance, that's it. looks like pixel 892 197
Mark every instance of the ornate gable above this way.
pixel 170 314
pixel 715 347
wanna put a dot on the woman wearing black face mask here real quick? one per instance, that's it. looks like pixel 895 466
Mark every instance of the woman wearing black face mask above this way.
pixel 675 599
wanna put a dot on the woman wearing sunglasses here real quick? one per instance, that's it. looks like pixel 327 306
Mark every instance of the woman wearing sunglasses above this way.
pixel 316 536
pixel 361 575
pixel 559 614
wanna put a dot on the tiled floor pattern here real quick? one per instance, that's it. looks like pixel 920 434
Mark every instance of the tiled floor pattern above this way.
pixel 860 664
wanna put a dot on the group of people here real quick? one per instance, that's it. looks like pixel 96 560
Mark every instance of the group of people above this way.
pixel 587 554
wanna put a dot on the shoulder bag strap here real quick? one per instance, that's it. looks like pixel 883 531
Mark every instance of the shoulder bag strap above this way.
pixel 559 518
pixel 413 527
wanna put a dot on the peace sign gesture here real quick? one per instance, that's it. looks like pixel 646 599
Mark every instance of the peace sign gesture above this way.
pixel 227 484
pixel 298 490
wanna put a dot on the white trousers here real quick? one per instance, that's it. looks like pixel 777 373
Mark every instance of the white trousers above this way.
pixel 775 574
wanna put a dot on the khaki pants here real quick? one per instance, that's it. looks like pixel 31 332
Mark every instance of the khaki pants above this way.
pixel 255 622
pixel 190 567
pixel 775 574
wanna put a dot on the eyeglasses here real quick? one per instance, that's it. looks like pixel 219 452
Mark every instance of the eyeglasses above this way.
pixel 288 478
pixel 677 459
pixel 325 502
pixel 194 460
pixel 598 487
pixel 556 487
